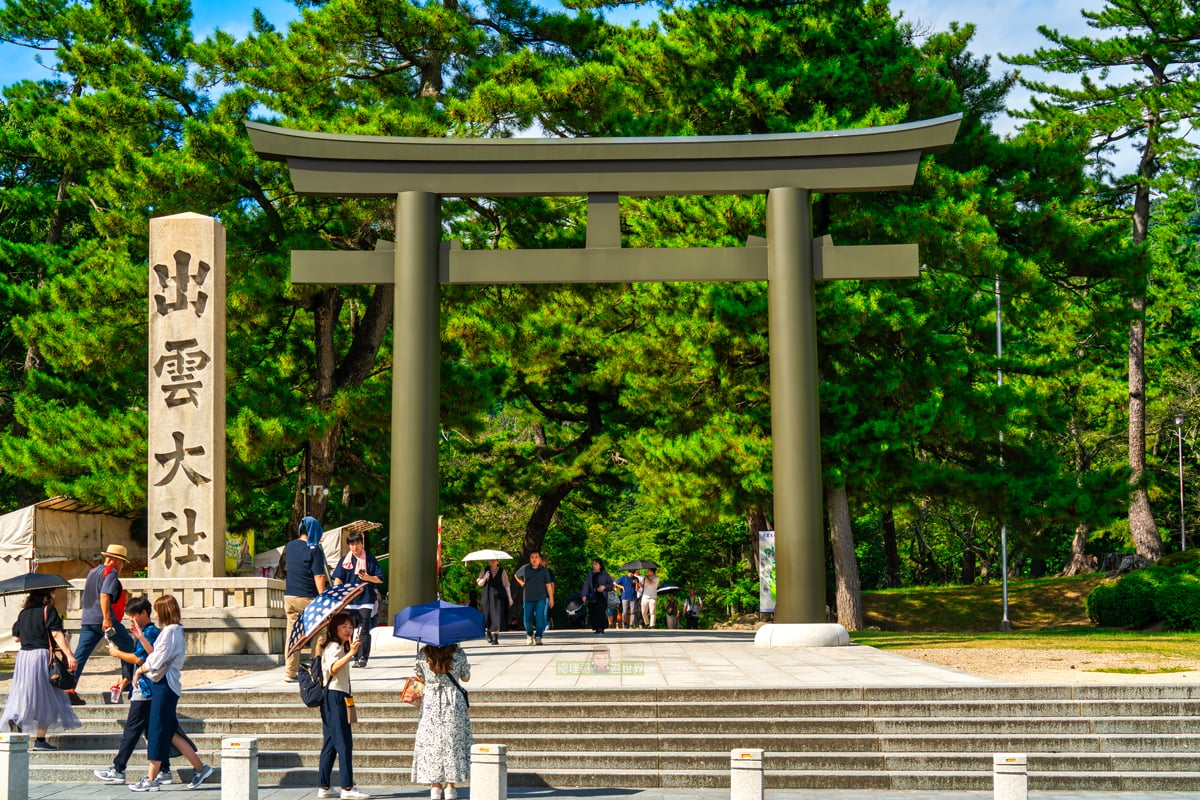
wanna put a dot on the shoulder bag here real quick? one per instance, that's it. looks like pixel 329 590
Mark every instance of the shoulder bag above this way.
pixel 61 676
pixel 412 692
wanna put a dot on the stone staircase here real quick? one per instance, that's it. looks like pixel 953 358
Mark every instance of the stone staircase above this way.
pixel 1119 738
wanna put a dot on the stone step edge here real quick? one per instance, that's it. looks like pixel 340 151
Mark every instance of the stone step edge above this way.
pixel 699 772
pixel 669 721
pixel 770 755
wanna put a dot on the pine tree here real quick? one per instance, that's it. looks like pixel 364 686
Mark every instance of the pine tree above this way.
pixel 1137 86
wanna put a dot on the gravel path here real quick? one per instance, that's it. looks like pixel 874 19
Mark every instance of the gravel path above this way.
pixel 1019 665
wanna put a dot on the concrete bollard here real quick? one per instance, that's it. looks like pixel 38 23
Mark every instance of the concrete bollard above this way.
pixel 239 769
pixel 14 765
pixel 1010 776
pixel 489 772
pixel 746 774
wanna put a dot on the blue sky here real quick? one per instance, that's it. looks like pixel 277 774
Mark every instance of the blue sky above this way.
pixel 1002 27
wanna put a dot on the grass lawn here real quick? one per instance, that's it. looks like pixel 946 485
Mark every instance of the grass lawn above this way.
pixel 1032 604
pixel 1046 614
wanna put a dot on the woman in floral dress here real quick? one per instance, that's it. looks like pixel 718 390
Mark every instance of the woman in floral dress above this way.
pixel 442 750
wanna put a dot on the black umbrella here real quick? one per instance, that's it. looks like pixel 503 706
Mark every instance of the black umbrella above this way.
pixel 31 582
pixel 639 565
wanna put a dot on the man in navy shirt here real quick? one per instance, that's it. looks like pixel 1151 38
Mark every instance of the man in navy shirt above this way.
pixel 305 562
pixel 359 566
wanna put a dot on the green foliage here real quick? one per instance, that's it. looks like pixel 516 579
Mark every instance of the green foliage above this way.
pixel 1168 592
pixel 625 421
pixel 1177 603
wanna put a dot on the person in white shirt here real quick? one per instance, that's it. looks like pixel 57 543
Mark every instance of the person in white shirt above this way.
pixel 340 650
pixel 649 597
pixel 161 671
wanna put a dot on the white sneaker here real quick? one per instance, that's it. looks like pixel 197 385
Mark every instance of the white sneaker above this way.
pixel 144 785
pixel 199 776
pixel 109 775
pixel 165 778
pixel 538 640
pixel 528 640
pixel 450 793
pixel 354 794
pixel 435 793
pixel 327 793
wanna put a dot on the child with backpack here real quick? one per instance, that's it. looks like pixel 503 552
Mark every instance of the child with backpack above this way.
pixel 336 710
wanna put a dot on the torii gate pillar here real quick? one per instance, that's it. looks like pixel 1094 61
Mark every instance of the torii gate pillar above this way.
pixel 795 419
pixel 416 349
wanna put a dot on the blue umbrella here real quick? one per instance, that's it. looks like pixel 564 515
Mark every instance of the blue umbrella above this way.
pixel 438 623
pixel 318 613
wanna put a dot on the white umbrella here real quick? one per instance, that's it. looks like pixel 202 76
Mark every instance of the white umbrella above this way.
pixel 486 555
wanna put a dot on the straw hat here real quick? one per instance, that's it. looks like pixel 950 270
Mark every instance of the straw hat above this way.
pixel 116 551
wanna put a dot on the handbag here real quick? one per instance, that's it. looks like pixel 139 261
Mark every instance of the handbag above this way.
pixel 61 676
pixel 412 691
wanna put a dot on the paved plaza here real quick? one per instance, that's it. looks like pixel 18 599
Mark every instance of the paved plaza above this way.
pixel 679 659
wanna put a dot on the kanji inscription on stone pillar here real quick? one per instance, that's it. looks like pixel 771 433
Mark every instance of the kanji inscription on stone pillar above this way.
pixel 186 479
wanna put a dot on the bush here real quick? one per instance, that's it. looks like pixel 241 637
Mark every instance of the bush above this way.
pixel 1101 605
pixel 1177 603
pixel 1129 603
pixel 1188 558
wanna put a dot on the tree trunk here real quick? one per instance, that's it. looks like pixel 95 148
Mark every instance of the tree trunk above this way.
pixel 1081 563
pixel 756 520
pixel 890 550
pixel 968 563
pixel 845 563
pixel 540 519
pixel 1146 538
pixel 332 377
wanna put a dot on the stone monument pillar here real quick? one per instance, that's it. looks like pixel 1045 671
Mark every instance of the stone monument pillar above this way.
pixel 186 480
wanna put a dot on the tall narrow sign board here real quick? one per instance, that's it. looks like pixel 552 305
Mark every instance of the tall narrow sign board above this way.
pixel 186 478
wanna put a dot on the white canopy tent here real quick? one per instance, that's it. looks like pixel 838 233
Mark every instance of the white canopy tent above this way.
pixel 63 537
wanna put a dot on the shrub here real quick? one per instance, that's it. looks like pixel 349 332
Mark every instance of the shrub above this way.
pixel 1101 605
pixel 1177 603
pixel 1189 558
pixel 1129 603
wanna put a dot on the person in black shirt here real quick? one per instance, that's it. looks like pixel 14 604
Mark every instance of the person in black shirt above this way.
pixel 32 701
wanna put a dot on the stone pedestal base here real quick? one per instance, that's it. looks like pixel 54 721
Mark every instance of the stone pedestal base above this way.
pixel 824 634
pixel 239 618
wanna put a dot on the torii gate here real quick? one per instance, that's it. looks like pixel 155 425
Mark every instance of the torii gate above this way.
pixel 788 167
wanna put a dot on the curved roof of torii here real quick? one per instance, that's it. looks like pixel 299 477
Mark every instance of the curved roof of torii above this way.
pixel 861 159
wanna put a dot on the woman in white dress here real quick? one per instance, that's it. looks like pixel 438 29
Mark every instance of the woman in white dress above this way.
pixel 442 751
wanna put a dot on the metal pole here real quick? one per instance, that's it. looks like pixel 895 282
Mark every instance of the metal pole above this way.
pixel 1005 624
pixel 415 394
pixel 1182 531
pixel 795 422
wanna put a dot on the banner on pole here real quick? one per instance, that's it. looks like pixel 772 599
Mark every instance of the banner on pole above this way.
pixel 766 572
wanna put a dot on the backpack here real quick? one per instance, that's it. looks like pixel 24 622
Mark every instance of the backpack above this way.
pixel 612 598
pixel 312 683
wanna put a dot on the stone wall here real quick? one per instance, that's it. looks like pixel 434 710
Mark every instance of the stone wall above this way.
pixel 222 617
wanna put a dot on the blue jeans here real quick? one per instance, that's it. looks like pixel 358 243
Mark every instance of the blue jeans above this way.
pixel 92 635
pixel 537 609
